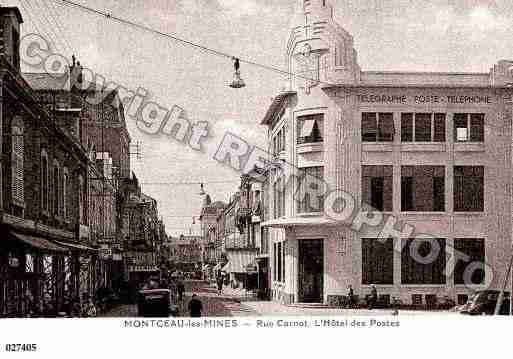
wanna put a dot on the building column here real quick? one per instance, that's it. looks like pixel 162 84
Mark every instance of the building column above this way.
pixel 291 266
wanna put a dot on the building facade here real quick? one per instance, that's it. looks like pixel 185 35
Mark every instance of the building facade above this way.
pixel 416 154
pixel 46 259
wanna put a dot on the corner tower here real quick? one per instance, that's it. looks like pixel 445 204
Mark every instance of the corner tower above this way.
pixel 319 49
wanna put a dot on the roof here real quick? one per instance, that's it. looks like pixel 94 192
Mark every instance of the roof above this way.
pixel 46 81
pixel 275 106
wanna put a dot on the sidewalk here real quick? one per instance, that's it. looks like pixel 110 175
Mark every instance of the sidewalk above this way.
pixel 238 294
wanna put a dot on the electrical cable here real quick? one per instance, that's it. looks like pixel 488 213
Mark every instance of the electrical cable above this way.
pixel 218 53
pixel 186 183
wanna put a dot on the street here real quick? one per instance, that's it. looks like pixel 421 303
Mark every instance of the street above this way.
pixel 229 305
pixel 214 305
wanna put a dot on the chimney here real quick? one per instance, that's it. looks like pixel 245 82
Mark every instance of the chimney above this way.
pixel 75 74
pixel 10 20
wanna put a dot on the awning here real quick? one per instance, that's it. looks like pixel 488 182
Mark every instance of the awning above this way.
pixel 239 261
pixel 39 243
pixel 77 247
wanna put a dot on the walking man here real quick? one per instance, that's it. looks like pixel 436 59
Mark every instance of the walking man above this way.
pixel 373 297
pixel 180 287
pixel 350 296
pixel 219 284
pixel 195 307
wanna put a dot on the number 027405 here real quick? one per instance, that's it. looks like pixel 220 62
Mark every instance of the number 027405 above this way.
pixel 20 347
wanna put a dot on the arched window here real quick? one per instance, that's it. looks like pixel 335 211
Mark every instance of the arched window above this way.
pixel 18 191
pixel 65 189
pixel 44 181
pixel 56 189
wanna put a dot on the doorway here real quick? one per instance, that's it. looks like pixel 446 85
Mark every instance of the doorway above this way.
pixel 311 270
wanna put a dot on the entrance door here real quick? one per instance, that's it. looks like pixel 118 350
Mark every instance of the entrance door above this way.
pixel 311 270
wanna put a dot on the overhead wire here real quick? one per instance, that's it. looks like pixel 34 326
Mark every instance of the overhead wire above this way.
pixel 187 183
pixel 175 38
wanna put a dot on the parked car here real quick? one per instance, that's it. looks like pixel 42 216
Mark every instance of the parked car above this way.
pixel 154 303
pixel 484 302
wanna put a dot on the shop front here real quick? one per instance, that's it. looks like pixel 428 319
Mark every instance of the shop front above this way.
pixel 32 276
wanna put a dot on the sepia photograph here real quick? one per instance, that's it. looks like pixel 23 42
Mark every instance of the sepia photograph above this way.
pixel 254 165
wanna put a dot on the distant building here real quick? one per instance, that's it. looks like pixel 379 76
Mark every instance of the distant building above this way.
pixel 186 252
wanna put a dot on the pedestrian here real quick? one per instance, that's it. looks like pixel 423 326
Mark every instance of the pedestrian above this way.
pixel 180 287
pixel 220 284
pixel 373 297
pixel 195 307
pixel 350 296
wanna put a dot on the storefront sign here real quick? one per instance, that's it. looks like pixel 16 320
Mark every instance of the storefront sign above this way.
pixel 402 99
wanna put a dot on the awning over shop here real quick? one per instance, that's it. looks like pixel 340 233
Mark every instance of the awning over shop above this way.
pixel 38 243
pixel 206 267
pixel 238 262
pixel 77 247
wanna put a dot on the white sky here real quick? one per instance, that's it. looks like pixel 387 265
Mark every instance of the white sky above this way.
pixel 414 35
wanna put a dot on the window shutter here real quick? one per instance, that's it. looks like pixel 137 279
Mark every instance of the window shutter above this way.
pixel 17 164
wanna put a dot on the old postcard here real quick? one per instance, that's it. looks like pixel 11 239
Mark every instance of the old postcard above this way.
pixel 258 164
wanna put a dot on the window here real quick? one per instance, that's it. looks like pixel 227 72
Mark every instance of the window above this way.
pixel 423 261
pixel 283 261
pixel 377 261
pixel 474 248
pixel 275 262
pixel 279 141
pixel 310 129
pixel 469 189
pixel 377 127
pixel 65 189
pixel 16 48
pixel 279 256
pixel 310 194
pixel 423 188
pixel 81 200
pixel 17 164
pixel 56 189
pixel 469 127
pixel 377 187
pixel 44 182
pixel 29 263
pixel 423 127
pixel 279 197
